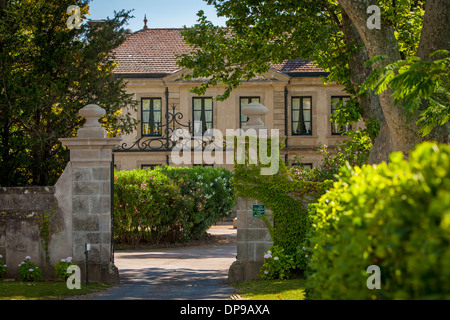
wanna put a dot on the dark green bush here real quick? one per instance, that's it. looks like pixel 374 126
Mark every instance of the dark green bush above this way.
pixel 170 204
pixel 395 216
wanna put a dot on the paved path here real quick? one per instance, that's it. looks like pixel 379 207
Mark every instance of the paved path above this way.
pixel 194 273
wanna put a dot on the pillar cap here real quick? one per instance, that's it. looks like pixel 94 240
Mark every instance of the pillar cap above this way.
pixel 92 128
pixel 254 111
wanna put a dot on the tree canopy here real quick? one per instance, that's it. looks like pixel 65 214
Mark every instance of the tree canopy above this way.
pixel 48 72
pixel 334 35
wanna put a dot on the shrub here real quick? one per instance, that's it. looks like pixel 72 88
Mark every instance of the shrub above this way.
pixel 2 267
pixel 288 198
pixel 170 204
pixel 280 265
pixel 28 271
pixel 61 268
pixel 395 216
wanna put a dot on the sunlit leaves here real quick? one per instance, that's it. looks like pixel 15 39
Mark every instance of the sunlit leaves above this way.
pixel 417 86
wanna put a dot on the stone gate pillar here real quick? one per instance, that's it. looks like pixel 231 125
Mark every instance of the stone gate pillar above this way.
pixel 253 237
pixel 90 171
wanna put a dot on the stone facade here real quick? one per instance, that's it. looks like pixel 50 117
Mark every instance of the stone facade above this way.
pixel 275 91
pixel 80 207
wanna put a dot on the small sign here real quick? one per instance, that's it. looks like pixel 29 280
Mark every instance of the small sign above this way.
pixel 259 210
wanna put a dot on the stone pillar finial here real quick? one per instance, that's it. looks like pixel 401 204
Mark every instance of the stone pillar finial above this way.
pixel 254 111
pixel 92 128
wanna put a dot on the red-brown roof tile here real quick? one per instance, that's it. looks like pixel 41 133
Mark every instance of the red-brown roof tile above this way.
pixel 151 53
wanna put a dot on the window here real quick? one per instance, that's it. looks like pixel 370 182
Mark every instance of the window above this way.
pixel 335 129
pixel 151 116
pixel 149 166
pixel 307 165
pixel 303 164
pixel 242 103
pixel 302 116
pixel 203 115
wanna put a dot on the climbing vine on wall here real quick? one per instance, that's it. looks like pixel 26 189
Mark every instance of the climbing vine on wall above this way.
pixel 44 229
pixel 287 197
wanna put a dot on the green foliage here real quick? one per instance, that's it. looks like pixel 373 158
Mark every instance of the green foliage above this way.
pixel 355 152
pixel 28 271
pixel 395 216
pixel 257 35
pixel 61 268
pixel 48 73
pixel 44 229
pixel 406 18
pixel 170 204
pixel 279 265
pixel 417 87
pixel 261 33
pixel 288 198
pixel 2 267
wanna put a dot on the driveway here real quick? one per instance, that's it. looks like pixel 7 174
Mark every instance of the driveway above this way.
pixel 187 273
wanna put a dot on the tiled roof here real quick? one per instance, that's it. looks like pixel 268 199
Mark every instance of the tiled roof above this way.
pixel 296 66
pixel 151 53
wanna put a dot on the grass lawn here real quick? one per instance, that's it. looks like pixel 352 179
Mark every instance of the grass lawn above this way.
pixel 292 289
pixel 49 290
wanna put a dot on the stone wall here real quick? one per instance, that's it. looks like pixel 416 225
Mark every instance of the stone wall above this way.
pixel 81 200
pixel 22 212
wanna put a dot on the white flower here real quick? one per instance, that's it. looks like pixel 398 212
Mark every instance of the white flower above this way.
pixel 276 258
pixel 1 256
pixel 63 260
pixel 267 256
pixel 306 256
pixel 69 259
pixel 28 257
pixel 31 270
pixel 266 272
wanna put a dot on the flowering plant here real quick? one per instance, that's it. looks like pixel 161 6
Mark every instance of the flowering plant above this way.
pixel 61 268
pixel 28 271
pixel 277 264
pixel 2 267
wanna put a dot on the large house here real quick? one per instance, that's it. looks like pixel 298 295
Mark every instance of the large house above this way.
pixel 299 104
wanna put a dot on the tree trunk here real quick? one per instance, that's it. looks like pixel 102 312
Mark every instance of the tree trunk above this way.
pixel 370 103
pixel 382 42
pixel 435 36
pixel 436 29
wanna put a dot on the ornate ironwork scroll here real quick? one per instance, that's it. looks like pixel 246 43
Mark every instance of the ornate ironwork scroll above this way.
pixel 173 133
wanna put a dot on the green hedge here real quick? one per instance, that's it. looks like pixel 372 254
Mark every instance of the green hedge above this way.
pixel 395 216
pixel 168 204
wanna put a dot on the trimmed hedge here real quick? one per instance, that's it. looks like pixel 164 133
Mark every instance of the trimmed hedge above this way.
pixel 395 216
pixel 168 204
